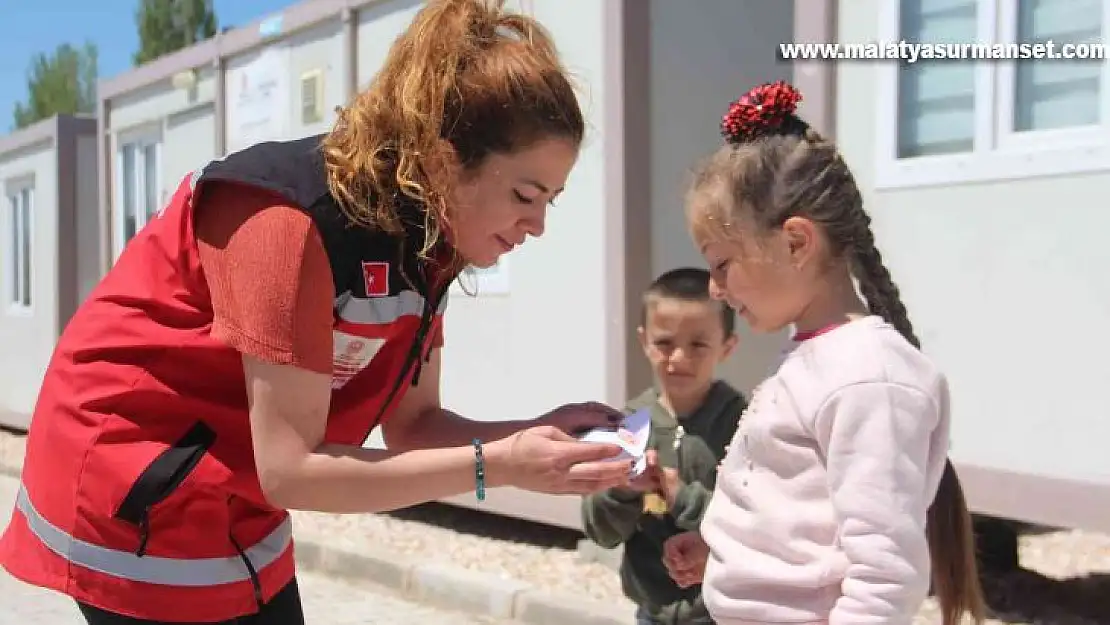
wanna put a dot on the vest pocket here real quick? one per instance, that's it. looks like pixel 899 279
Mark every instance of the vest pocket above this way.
pixel 162 477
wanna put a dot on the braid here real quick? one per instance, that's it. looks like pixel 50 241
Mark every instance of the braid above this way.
pixel 878 288
pixel 876 283
pixel 811 136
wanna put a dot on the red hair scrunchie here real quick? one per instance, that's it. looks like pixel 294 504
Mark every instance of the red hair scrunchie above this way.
pixel 760 111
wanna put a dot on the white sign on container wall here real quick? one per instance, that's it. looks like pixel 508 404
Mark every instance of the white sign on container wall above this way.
pixel 258 99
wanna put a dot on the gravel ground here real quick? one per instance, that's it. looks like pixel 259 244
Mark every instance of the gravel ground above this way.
pixel 1071 585
pixel 1068 581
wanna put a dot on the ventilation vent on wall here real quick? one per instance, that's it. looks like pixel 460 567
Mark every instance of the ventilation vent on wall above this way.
pixel 312 97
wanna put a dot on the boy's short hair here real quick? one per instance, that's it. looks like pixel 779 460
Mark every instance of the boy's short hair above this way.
pixel 687 284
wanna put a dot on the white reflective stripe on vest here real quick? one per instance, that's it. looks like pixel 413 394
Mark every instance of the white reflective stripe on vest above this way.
pixel 154 569
pixel 382 310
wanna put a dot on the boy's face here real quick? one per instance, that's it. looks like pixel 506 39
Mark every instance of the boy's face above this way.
pixel 684 342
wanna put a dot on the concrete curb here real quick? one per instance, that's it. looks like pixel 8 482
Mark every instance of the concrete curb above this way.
pixel 443 586
pixel 589 551
pixel 457 588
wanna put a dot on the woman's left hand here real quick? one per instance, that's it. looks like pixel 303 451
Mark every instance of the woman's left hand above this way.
pixel 578 418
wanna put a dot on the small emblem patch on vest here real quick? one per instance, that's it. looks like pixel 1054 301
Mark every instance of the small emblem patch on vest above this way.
pixel 352 354
pixel 375 275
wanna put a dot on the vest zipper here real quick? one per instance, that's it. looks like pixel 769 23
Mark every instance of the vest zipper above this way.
pixel 426 318
pixel 416 355
pixel 252 573
pixel 256 582
pixel 144 532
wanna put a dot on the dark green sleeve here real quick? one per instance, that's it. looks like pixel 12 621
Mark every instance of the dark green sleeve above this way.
pixel 610 517
pixel 687 612
pixel 690 504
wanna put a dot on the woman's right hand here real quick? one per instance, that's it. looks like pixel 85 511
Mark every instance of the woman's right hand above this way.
pixel 544 459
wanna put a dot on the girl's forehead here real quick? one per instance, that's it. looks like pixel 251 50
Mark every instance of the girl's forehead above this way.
pixel 718 239
pixel 707 227
pixel 721 225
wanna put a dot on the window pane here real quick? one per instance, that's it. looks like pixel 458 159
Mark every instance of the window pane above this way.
pixel 309 105
pixel 25 247
pixel 936 99
pixel 15 270
pixel 150 179
pixel 1058 93
pixel 128 192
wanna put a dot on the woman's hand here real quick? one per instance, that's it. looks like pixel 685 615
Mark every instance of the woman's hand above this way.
pixel 578 418
pixel 642 484
pixel 685 556
pixel 547 460
pixel 646 482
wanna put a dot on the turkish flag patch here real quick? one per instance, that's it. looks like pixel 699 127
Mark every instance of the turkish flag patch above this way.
pixel 375 276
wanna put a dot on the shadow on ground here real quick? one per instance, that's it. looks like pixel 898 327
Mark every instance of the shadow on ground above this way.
pixel 1029 597
pixel 477 523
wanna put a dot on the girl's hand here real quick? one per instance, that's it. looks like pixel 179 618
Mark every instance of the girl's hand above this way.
pixel 545 459
pixel 685 556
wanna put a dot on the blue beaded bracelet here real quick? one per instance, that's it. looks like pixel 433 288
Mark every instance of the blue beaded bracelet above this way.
pixel 479 471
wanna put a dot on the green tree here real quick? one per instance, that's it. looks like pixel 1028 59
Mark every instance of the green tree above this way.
pixel 166 26
pixel 63 82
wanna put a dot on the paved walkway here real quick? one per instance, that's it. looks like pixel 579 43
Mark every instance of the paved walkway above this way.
pixel 326 601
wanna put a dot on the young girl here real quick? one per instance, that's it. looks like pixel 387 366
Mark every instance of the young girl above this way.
pixel 835 499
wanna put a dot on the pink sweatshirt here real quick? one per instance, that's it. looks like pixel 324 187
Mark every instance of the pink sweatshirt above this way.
pixel 819 510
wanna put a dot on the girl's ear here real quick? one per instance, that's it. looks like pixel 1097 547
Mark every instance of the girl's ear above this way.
pixel 802 241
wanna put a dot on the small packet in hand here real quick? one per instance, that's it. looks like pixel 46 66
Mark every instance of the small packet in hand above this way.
pixel 655 504
pixel 631 435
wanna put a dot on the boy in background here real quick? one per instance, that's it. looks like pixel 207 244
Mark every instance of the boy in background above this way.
pixel 685 334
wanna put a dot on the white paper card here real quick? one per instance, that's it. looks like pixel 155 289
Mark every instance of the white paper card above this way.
pixel 632 436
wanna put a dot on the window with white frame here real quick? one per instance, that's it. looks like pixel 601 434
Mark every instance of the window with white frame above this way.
pixel 1052 94
pixel 20 216
pixel 936 98
pixel 960 119
pixel 139 185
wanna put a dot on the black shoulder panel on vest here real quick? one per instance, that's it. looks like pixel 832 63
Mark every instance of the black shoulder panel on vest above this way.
pixel 348 245
pixel 295 170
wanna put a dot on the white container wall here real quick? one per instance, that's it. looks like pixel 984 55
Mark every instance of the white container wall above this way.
pixel 286 90
pixel 997 249
pixel 702 60
pixel 48 249
pixel 156 136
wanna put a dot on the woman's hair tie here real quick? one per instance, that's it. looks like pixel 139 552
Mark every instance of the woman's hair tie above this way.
pixel 766 109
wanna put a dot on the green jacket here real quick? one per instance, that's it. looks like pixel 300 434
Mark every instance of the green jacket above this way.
pixel 613 517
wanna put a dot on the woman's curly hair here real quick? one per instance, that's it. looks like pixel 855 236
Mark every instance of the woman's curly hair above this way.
pixel 466 72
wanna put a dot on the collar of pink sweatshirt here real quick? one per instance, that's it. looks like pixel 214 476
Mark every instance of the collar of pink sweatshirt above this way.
pixel 819 510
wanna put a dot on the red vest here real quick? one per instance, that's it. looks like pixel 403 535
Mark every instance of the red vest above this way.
pixel 139 492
